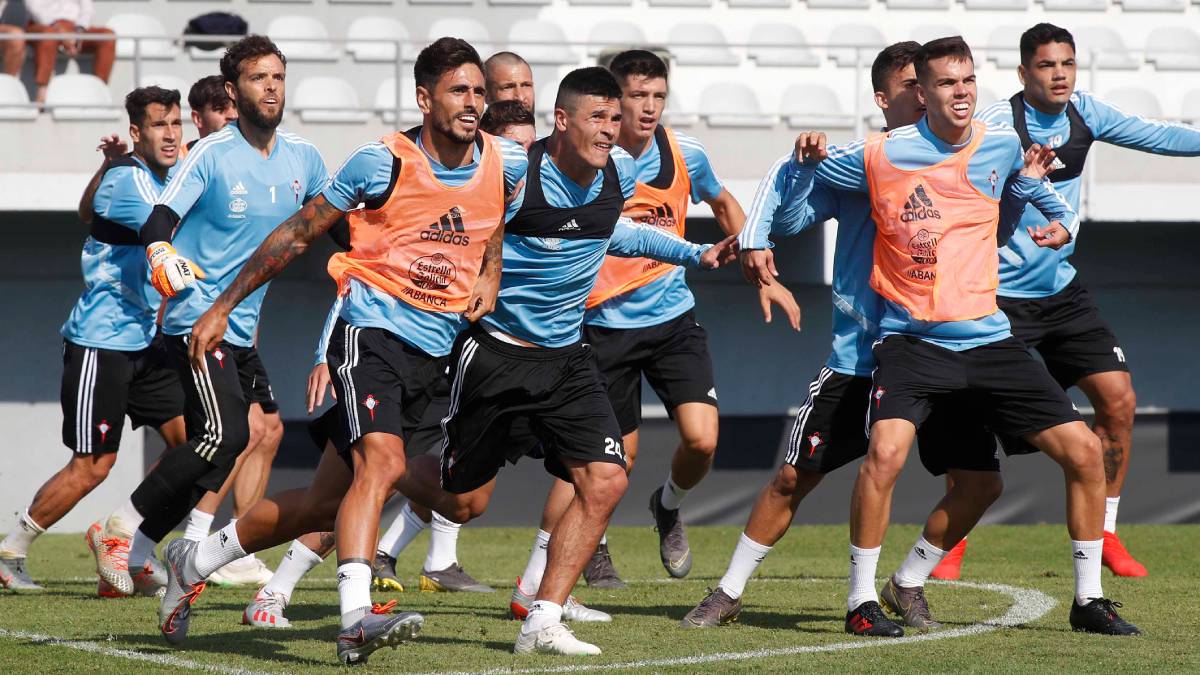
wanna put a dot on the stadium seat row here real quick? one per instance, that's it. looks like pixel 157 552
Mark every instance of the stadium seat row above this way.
pixel 985 5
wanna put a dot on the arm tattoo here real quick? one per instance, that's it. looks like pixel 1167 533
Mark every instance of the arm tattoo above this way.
pixel 493 254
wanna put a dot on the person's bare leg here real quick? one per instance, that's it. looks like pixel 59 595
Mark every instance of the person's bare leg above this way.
pixel 968 496
pixel 14 51
pixel 60 494
pixel 698 428
pixel 251 482
pixel 421 483
pixel 199 521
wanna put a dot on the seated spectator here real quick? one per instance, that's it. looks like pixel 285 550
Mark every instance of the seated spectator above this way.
pixel 13 18
pixel 66 16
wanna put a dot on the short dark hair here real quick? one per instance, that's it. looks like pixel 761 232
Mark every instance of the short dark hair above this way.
pixel 444 55
pixel 953 47
pixel 137 101
pixel 892 58
pixel 503 114
pixel 590 81
pixel 637 62
pixel 1043 34
pixel 209 92
pixel 249 47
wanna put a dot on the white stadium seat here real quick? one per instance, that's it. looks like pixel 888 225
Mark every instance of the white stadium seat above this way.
pixel 996 4
pixel 1154 5
pixel 80 97
pixel 622 3
pixel 525 34
pixel 1075 5
pixel 373 38
pixel 814 106
pixel 678 113
pixel 918 4
pixel 1190 110
pixel 732 104
pixel 839 4
pixel 141 26
pixel 14 100
pixel 700 44
pixel 1173 48
pixel 761 3
pixel 518 2
pixel 781 44
pixel 440 2
pixel 923 34
pixel 848 36
pixel 680 3
pixel 385 101
pixel 168 82
pixel 1003 46
pixel 608 34
pixel 871 114
pixel 327 99
pixel 302 38
pixel 1134 101
pixel 467 29
pixel 1108 44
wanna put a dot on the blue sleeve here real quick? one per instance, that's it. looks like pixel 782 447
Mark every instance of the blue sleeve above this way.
pixel 626 170
pixel 1111 125
pixel 845 168
pixel 705 184
pixel 786 203
pixel 185 188
pixel 1044 197
pixel 318 174
pixel 327 330
pixel 366 173
pixel 126 196
pixel 634 240
pixel 999 112
pixel 516 166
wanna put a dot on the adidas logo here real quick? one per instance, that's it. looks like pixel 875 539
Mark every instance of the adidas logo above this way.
pixel 224 537
pixel 448 229
pixel 238 190
pixel 919 207
pixel 921 552
pixel 342 576
pixel 1080 555
pixel 571 226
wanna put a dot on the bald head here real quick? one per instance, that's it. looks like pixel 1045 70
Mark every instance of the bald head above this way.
pixel 509 78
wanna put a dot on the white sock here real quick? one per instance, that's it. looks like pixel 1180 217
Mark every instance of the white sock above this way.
pixel 218 550
pixel 542 613
pixel 672 495
pixel 140 549
pixel 16 544
pixel 1110 514
pixel 124 520
pixel 531 580
pixel 919 564
pixel 401 532
pixel 863 562
pixel 297 562
pixel 354 591
pixel 1087 569
pixel 746 557
pixel 604 538
pixel 443 544
pixel 198 525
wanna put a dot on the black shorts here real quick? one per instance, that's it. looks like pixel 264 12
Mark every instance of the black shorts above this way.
pixel 830 430
pixel 1069 333
pixel 426 438
pixel 507 401
pixel 673 356
pixel 254 379
pixel 383 384
pixel 1014 393
pixel 101 386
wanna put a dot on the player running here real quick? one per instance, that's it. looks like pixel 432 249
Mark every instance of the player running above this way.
pixel 114 364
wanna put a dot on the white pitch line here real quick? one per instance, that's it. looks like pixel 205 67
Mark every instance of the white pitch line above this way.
pixel 1028 605
pixel 97 648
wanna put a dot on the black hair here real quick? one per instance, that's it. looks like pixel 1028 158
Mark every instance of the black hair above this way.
pixel 591 81
pixel 892 58
pixel 209 92
pixel 503 114
pixel 444 55
pixel 637 62
pixel 137 100
pixel 953 47
pixel 249 47
pixel 1043 34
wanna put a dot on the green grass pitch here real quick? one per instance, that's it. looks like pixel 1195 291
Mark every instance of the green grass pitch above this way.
pixel 797 600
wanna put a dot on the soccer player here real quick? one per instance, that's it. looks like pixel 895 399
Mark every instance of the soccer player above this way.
pixel 211 106
pixel 1047 305
pixel 934 190
pixel 113 365
pixel 425 256
pixel 509 78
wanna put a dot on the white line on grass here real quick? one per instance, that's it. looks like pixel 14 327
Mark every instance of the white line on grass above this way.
pixel 1028 605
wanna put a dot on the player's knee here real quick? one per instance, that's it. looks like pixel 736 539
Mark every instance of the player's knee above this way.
pixel 786 481
pixel 603 484
pixel 701 445
pixel 1117 408
pixel 234 437
pixel 1083 456
pixel 884 460
pixel 273 433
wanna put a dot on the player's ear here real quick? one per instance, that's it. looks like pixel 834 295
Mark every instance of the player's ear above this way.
pixel 231 92
pixel 1021 74
pixel 921 95
pixel 135 133
pixel 560 120
pixel 881 100
pixel 424 100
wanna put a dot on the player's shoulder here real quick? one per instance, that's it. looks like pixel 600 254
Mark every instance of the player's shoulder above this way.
pixel 998 111
pixel 512 152
pixel 214 143
pixel 624 161
pixel 999 131
pixel 298 143
pixel 689 144
pixel 847 149
pixel 127 176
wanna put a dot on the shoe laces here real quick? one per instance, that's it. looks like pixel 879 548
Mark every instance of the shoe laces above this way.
pixel 558 630
pixel 872 612
pixel 384 608
pixel 1109 606
pixel 272 600
pixel 118 549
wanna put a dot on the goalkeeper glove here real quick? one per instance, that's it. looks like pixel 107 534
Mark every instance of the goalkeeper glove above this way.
pixel 170 273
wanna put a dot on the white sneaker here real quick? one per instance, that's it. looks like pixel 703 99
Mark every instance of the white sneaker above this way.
pixel 553 639
pixel 247 571
pixel 266 611
pixel 573 610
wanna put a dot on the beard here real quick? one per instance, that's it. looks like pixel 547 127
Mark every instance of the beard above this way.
pixel 250 113
pixel 446 128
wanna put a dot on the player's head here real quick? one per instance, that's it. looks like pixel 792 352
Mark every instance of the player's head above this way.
pixel 509 78
pixel 946 83
pixel 511 120
pixel 894 79
pixel 450 88
pixel 211 106
pixel 1047 66
pixel 643 79
pixel 587 114
pixel 254 70
pixel 155 125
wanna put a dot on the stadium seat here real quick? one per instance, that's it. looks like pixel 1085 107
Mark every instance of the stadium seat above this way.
pixel 327 99
pixel 680 3
pixel 873 118
pixel 141 26
pixel 700 44
pixel 622 3
pixel 385 101
pixel 608 34
pixel 761 3
pixel 923 34
pixel 14 100
pixel 80 97
pixel 1003 46
pixel 732 104
pixel 1190 110
pixel 441 2
pixel 1075 5
pixel 1154 5
pixel 918 4
pixel 846 37
pixel 780 44
pixel 814 106
pixel 467 29
pixel 302 38
pixel 1134 101
pixel 526 34
pixel 1173 48
pixel 677 113
pixel 519 2
pixel 996 4
pixel 1113 54
pixel 373 39
pixel 839 4
pixel 168 82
